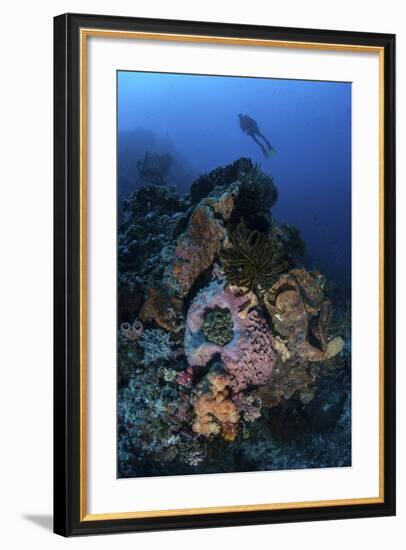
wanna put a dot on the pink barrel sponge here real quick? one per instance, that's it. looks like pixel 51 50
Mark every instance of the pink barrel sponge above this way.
pixel 252 359
pixel 250 356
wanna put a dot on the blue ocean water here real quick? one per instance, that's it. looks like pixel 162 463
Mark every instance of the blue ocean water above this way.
pixel 195 118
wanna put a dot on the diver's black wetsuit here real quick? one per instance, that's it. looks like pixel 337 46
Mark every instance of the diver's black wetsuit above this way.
pixel 250 127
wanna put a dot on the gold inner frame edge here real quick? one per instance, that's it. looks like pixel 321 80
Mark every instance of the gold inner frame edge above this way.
pixel 84 34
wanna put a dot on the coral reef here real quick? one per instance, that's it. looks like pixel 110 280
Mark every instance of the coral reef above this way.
pixel 154 427
pixel 238 358
pixel 220 177
pixel 191 257
pixel 145 239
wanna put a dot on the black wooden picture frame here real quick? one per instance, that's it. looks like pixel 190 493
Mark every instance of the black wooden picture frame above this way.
pixel 69 516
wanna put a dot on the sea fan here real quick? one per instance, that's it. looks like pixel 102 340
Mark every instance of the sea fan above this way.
pixel 153 168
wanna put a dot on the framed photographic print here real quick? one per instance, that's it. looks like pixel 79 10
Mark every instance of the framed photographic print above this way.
pixel 224 274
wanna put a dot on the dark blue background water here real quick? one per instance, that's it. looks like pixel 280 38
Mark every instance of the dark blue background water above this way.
pixel 196 119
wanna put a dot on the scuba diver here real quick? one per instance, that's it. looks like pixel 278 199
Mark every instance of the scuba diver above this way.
pixel 250 127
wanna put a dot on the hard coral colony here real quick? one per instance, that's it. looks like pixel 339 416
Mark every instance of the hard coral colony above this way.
pixel 233 332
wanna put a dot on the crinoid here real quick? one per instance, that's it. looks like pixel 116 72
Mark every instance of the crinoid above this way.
pixel 252 261
pixel 258 192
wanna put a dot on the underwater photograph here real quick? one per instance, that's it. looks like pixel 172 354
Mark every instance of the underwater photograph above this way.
pixel 233 274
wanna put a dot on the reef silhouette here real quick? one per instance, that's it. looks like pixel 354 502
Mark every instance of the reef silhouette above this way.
pixel 231 354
